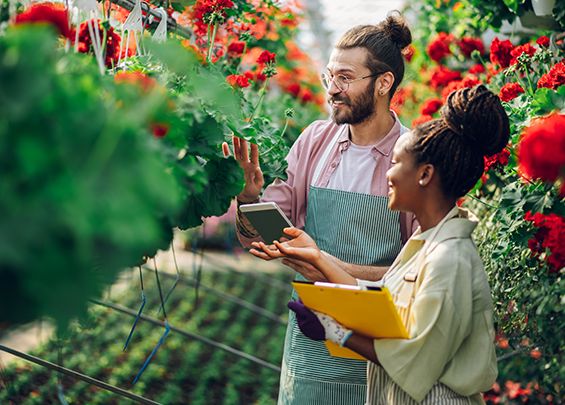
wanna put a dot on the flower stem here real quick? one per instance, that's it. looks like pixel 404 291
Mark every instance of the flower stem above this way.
pixel 281 137
pixel 258 106
pixel 241 59
pixel 485 66
pixel 481 201
pixel 530 82
pixel 211 41
pixel 518 79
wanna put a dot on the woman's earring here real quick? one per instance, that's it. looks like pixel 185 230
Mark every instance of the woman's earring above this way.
pixel 382 93
pixel 421 182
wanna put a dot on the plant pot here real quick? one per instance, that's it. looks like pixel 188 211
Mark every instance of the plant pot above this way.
pixel 531 20
pixel 543 8
pixel 515 28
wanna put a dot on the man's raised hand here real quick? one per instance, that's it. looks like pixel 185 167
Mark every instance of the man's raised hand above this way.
pixel 249 162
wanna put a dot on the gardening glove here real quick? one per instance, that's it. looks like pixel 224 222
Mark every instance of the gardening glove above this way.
pixel 318 326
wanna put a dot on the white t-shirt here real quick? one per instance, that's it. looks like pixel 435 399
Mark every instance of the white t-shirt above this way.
pixel 355 171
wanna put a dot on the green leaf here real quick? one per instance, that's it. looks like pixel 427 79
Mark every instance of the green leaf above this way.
pixel 548 100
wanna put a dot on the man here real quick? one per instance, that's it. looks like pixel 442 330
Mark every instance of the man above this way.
pixel 338 193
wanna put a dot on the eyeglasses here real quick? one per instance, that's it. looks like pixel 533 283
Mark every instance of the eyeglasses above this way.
pixel 341 82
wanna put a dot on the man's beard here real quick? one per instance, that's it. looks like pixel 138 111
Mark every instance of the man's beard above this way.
pixel 361 109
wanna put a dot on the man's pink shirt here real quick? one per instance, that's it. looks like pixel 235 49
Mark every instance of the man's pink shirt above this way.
pixel 292 195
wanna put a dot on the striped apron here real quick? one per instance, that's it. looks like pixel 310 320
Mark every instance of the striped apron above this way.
pixel 356 228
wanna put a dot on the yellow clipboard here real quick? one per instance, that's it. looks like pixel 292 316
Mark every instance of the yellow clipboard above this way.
pixel 371 312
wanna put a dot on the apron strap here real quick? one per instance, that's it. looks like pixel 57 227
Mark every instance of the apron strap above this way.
pixel 407 293
pixel 326 154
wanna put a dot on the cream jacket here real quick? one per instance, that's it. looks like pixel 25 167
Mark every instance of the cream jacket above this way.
pixel 449 320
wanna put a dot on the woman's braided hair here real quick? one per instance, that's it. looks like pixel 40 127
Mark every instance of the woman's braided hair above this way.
pixel 473 125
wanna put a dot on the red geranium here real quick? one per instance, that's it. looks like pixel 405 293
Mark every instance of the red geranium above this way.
pixel 499 159
pixel 555 78
pixel 468 45
pixel 55 14
pixel 510 91
pixel 238 80
pixel 159 130
pixel 409 52
pixel 441 76
pixel 112 42
pixel 421 119
pixel 542 148
pixel 500 52
pixel 145 82
pixel 236 47
pixel 307 95
pixel 439 47
pixel 431 106
pixel 266 57
pixel 477 68
pixel 293 88
pixel 543 41
pixel 549 236
pixel 519 50
pixel 468 81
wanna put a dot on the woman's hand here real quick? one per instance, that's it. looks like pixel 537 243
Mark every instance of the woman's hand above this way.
pixel 252 173
pixel 302 247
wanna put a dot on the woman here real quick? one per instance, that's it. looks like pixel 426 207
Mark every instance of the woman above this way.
pixel 438 281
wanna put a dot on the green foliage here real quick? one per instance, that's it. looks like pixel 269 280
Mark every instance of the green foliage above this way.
pixel 86 187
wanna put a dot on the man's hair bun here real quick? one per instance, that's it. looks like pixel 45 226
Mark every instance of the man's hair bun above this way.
pixel 397 28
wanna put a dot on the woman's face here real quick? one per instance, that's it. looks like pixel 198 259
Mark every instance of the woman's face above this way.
pixel 403 176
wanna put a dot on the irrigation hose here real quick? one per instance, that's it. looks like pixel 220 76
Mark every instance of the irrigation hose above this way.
pixel 78 376
pixel 189 334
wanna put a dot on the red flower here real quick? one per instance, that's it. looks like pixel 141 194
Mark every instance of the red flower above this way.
pixel 468 81
pixel 441 76
pixel 555 78
pixel 519 50
pixel 510 91
pixel 549 236
pixel 499 159
pixel 542 148
pixel 159 130
pixel 543 41
pixel 293 88
pixel 112 42
pixel 238 80
pixel 136 78
pixel 468 45
pixel 431 106
pixel 409 52
pixel 249 76
pixel 477 68
pixel 439 47
pixel 500 52
pixel 266 57
pixel 307 95
pixel 421 119
pixel 50 13
pixel 237 48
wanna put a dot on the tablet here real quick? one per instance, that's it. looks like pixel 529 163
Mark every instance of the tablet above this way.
pixel 267 219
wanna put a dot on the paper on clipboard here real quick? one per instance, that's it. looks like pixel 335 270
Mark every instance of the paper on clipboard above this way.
pixel 369 312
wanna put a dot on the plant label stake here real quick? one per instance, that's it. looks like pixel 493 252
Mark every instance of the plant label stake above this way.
pixel 176 281
pixel 132 23
pixel 167 327
pixel 160 34
pixel 140 310
pixel 90 7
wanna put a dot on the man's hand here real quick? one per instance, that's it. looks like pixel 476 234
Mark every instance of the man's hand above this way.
pixel 252 173
pixel 302 247
pixel 306 269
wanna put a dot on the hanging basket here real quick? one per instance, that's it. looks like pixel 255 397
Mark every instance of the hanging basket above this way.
pixel 531 20
pixel 543 8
